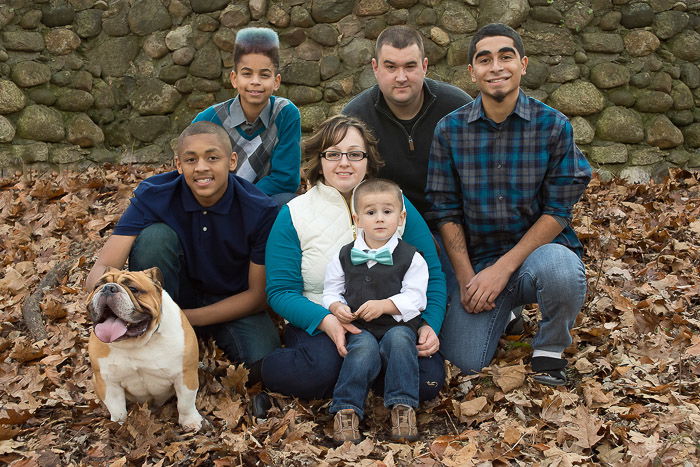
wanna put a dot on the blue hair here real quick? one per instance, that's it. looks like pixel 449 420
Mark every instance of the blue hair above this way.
pixel 262 41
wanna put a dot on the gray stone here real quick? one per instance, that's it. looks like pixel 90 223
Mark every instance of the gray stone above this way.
pixel 61 41
pixel 641 80
pixel 681 117
pixel 30 73
pixel 640 43
pixel 537 73
pixel 293 37
pixel 608 75
pixel 147 16
pixel 172 73
pixel 621 125
pixel 457 54
pixel 302 95
pixel 578 16
pixel 207 62
pixel 583 131
pixel 439 36
pixel 329 66
pixel 602 42
pixel 357 53
pixel 257 8
pixel 324 34
pixel 682 96
pixel 88 23
pixel 330 11
pixel 23 41
pixel 206 85
pixel 83 132
pixel 81 80
pixel 7 131
pixel 32 152
pixel 147 129
pixel 117 134
pixel 646 156
pixel 374 26
pixel 370 7
pixel 457 18
pixel 57 14
pixel 225 39
pixel 577 98
pixel 312 116
pixel 31 19
pixel 180 37
pixel 300 17
pixel 653 101
pixel 662 133
pixel 396 17
pixel 678 156
pixel 43 95
pixel 115 55
pixel 309 50
pixel 152 154
pixel 114 20
pixel 234 16
pixel 547 14
pixel 661 81
pixel 277 16
pixel 74 100
pixel 686 46
pixel 207 6
pixel 205 23
pixel 669 23
pixel 11 97
pixel 9 162
pixel 690 75
pixel 622 96
pixel 612 154
pixel 200 101
pixel 564 72
pixel 637 15
pixel 40 123
pixel 102 156
pixel 153 97
pixel 510 12
pixel 305 73
pixel 549 42
pixel 424 16
pixel 636 175
pixel 610 21
pixel 691 134
pixel 155 46
pixel 183 56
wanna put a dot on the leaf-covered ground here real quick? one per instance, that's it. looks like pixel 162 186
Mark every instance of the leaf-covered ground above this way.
pixel 635 359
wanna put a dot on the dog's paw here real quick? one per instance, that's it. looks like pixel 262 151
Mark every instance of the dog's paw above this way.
pixel 191 422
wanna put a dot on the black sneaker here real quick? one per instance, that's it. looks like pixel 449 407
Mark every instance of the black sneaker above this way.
pixel 516 326
pixel 549 371
pixel 260 404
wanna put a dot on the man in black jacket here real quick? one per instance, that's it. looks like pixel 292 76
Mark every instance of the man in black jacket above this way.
pixel 403 108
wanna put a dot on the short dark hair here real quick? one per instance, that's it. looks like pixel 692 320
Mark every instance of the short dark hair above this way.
pixel 399 37
pixel 491 30
pixel 376 185
pixel 262 41
pixel 330 132
pixel 205 128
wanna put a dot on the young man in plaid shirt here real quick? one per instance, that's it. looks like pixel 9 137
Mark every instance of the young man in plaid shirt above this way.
pixel 503 177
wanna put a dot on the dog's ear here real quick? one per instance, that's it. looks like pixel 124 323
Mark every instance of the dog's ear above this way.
pixel 155 275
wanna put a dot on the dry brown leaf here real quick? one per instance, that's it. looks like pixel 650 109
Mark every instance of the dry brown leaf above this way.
pixel 472 407
pixel 584 428
pixel 509 377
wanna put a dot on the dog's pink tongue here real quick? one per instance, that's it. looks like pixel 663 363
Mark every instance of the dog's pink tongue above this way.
pixel 110 330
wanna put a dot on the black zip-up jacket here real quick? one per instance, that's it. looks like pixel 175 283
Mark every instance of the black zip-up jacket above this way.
pixel 406 154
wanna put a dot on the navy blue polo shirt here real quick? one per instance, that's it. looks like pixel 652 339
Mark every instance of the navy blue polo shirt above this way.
pixel 218 241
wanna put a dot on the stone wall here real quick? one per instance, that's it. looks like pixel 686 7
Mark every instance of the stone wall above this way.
pixel 91 81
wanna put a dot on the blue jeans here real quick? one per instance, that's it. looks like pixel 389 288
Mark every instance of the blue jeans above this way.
pixel 552 276
pixel 243 340
pixel 395 352
pixel 308 368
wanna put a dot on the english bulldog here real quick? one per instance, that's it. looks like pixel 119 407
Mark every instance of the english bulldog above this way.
pixel 142 347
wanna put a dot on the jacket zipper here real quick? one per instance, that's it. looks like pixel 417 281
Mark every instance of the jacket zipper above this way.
pixel 390 116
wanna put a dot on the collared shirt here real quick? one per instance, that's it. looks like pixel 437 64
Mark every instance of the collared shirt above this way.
pixel 497 179
pixel 410 301
pixel 218 242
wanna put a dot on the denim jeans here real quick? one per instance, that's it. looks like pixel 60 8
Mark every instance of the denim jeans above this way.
pixel 552 276
pixel 395 352
pixel 308 368
pixel 244 340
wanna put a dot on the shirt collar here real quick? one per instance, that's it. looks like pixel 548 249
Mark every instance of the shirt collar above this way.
pixel 223 206
pixel 522 108
pixel 362 245
pixel 237 116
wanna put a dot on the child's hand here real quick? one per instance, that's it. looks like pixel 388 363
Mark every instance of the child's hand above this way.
pixel 373 309
pixel 341 311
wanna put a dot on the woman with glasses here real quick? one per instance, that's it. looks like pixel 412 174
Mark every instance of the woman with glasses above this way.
pixel 308 232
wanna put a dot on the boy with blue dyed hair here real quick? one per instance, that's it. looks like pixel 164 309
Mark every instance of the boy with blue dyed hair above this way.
pixel 265 130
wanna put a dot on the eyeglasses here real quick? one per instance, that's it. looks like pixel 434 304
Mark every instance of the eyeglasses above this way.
pixel 354 156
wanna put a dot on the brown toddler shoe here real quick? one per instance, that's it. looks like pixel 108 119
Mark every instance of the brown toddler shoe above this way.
pixel 346 427
pixel 403 423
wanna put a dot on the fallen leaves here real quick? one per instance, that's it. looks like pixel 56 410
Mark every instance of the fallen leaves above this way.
pixel 634 362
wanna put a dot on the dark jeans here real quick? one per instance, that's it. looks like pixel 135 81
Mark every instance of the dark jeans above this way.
pixel 308 368
pixel 243 340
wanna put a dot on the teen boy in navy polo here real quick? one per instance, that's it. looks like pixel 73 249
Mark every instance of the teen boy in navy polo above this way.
pixel 206 229
pixel 265 130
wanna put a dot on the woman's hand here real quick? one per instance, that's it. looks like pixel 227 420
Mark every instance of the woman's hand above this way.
pixel 336 331
pixel 341 311
pixel 428 342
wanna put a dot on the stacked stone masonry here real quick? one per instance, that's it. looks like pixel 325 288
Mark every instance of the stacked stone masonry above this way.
pixel 93 81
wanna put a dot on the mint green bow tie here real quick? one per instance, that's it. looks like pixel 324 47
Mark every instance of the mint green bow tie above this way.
pixel 382 256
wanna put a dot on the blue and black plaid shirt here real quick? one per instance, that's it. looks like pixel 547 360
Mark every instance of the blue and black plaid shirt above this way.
pixel 497 179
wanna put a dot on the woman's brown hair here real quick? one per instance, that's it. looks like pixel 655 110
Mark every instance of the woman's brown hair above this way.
pixel 331 132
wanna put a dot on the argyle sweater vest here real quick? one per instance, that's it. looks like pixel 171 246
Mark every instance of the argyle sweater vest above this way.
pixel 377 283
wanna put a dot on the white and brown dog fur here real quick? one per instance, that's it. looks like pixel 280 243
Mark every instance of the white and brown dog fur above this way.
pixel 142 347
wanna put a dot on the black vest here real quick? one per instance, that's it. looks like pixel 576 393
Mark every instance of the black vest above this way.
pixel 377 283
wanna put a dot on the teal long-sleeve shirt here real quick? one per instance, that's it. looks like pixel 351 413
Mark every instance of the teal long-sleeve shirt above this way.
pixel 285 285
